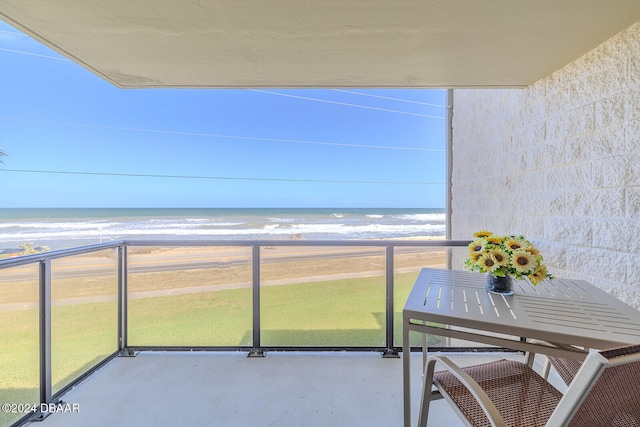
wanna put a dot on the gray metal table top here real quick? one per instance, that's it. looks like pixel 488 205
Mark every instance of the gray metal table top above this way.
pixel 563 312
pixel 559 311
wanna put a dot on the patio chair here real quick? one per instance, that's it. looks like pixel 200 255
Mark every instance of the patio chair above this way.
pixel 604 392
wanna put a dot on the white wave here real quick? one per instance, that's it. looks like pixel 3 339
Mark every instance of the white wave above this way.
pixel 322 230
pixel 57 225
pixel 423 217
pixel 329 226
pixel 274 219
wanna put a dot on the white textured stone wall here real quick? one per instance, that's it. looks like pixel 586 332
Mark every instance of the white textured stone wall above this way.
pixel 560 163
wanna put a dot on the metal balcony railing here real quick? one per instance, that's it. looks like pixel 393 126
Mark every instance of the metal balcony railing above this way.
pixel 68 312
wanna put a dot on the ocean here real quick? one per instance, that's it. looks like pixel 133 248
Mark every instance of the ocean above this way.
pixel 65 228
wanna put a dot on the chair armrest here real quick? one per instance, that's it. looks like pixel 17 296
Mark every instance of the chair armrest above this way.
pixel 474 388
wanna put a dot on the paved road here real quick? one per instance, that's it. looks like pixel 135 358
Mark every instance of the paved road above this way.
pixel 199 289
pixel 85 266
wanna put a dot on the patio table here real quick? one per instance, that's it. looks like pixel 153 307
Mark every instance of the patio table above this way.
pixel 569 316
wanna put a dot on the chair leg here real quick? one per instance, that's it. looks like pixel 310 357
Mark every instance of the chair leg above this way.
pixel 529 358
pixel 545 369
pixel 425 401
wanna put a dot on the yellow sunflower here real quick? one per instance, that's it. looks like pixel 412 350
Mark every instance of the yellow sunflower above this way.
pixel 539 275
pixel 523 261
pixel 533 251
pixel 526 244
pixel 499 256
pixel 474 256
pixel 487 263
pixel 482 233
pixel 494 240
pixel 476 246
pixel 515 244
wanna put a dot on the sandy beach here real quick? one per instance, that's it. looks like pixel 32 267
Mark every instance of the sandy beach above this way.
pixel 171 270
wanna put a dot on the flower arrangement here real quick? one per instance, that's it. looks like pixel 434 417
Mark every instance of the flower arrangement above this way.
pixel 506 255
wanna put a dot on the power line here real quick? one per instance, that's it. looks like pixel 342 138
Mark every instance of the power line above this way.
pixel 34 54
pixel 15 33
pixel 213 135
pixel 346 104
pixel 389 98
pixel 228 178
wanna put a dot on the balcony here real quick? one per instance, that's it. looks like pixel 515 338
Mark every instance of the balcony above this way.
pixel 227 388
pixel 158 333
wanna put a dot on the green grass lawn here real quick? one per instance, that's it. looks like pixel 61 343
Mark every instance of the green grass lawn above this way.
pixel 348 312
pixel 82 336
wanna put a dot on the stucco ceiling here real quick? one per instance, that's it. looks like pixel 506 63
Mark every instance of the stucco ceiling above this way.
pixel 321 43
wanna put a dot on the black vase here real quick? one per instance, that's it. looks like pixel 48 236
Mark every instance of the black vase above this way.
pixel 499 285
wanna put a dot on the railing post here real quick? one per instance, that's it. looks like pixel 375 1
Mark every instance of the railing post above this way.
pixel 123 310
pixel 390 351
pixel 449 169
pixel 256 350
pixel 44 279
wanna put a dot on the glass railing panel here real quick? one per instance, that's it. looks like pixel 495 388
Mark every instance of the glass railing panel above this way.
pixel 320 296
pixel 458 256
pixel 19 342
pixel 407 264
pixel 190 296
pixel 84 313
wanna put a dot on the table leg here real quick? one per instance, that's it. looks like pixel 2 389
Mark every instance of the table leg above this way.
pixel 425 350
pixel 406 372
pixel 422 420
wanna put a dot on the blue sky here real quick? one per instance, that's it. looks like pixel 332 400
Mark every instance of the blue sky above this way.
pixel 74 140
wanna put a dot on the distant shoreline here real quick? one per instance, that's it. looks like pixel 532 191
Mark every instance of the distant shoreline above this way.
pixel 13 252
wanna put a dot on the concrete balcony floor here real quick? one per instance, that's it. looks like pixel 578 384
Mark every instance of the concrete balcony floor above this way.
pixel 229 389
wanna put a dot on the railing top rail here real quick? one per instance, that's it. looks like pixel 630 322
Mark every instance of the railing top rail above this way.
pixel 38 257
pixel 275 242
pixel 61 253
